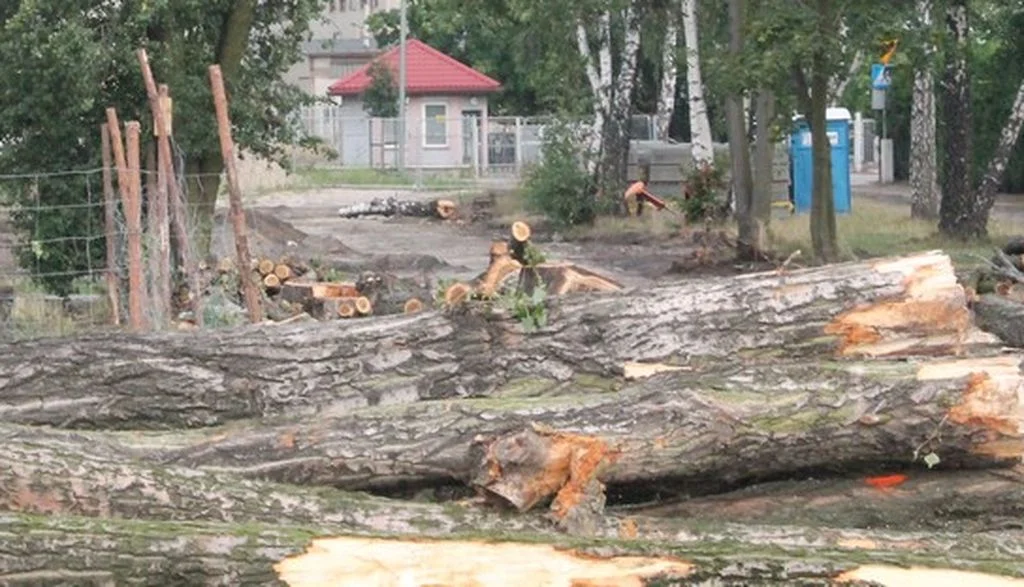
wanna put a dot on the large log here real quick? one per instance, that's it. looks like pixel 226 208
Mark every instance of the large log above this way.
pixel 967 501
pixel 700 432
pixel 882 308
pixel 64 549
pixel 1002 317
pixel 443 209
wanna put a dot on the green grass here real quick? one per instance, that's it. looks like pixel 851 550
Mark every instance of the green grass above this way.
pixel 875 229
pixel 320 177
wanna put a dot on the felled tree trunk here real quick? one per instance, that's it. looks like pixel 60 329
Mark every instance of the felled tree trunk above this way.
pixel 89 551
pixel 443 209
pixel 701 432
pixel 968 501
pixel 1002 317
pixel 883 308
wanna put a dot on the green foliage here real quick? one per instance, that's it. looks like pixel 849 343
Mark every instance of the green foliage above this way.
pixel 704 188
pixel 521 43
pixel 380 100
pixel 529 309
pixel 559 187
pixel 66 61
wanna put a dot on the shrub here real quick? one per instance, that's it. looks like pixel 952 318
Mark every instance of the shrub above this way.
pixel 560 187
pixel 704 189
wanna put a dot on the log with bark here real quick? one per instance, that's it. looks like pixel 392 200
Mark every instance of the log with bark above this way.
pixel 439 208
pixel 884 308
pixel 91 551
pixel 965 501
pixel 700 432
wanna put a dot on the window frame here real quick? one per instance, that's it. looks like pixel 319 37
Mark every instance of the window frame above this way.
pixel 426 119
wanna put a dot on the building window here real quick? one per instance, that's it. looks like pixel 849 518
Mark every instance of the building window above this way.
pixel 435 125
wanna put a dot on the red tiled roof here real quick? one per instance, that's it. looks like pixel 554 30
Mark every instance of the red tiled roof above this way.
pixel 427 71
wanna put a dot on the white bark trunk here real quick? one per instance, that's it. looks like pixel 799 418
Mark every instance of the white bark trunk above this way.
pixel 623 92
pixel 924 177
pixel 1007 141
pixel 700 127
pixel 599 75
pixel 669 73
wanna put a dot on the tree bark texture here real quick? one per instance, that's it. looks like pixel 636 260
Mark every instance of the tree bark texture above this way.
pixel 824 235
pixel 669 74
pixel 764 163
pixel 924 170
pixel 918 500
pixel 701 147
pixel 1002 317
pixel 616 139
pixel 599 74
pixel 896 307
pixel 700 431
pixel 739 145
pixel 391 206
pixel 86 551
pixel 959 214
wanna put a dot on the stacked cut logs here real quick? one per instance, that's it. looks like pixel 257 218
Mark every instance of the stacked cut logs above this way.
pixel 519 261
pixel 841 424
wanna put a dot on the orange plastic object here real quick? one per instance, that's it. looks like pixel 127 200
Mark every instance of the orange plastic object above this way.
pixel 886 481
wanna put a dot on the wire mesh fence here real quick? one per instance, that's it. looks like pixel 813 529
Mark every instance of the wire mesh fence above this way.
pixel 65 255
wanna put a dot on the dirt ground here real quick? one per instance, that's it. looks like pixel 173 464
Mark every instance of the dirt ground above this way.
pixel 408 246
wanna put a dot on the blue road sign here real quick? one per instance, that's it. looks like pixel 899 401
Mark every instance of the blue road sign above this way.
pixel 881 76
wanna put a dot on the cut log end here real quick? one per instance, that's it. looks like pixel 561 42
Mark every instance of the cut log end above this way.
pixel 446 209
pixel 457 293
pixel 500 268
pixel 890 576
pixel 265 267
pixel 225 265
pixel 283 272
pixel 521 231
pixel 375 562
pixel 412 306
pixel 346 309
pixel 271 282
pixel 499 249
pixel 363 306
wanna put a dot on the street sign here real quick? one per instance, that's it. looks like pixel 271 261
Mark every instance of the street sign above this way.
pixel 878 99
pixel 881 76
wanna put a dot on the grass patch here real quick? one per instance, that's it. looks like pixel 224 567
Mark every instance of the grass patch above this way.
pixel 321 177
pixel 877 229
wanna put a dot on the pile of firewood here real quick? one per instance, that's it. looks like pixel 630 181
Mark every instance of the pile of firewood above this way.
pixel 844 424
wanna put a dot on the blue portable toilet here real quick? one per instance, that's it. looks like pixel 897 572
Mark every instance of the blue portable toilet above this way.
pixel 802 161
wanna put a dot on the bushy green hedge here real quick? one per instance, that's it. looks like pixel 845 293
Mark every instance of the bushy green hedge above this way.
pixel 559 187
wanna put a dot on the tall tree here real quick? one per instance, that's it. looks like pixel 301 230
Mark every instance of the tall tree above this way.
pixel 924 176
pixel 751 235
pixel 669 72
pixel 701 145
pixel 960 214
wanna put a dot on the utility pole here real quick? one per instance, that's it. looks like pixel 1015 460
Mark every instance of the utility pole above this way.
pixel 403 33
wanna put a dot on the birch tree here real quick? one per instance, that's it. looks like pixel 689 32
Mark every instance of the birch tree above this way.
pixel 924 177
pixel 669 74
pixel 701 146
pixel 613 93
pixel 751 232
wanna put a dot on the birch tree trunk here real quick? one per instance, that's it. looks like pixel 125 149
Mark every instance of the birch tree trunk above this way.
pixel 700 127
pixel 924 177
pixel 599 75
pixel 669 74
pixel 1007 141
pixel 959 216
pixel 615 147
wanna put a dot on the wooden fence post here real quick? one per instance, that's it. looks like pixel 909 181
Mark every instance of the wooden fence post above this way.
pixel 110 228
pixel 133 217
pixel 227 147
pixel 160 255
pixel 158 97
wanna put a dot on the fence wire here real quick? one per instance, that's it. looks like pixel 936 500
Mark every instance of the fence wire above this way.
pixel 54 267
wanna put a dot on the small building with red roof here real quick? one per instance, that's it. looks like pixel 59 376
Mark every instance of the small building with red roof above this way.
pixel 446 113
